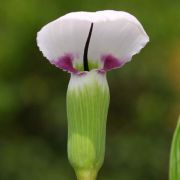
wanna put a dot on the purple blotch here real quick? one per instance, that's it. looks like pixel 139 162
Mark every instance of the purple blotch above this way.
pixel 66 63
pixel 110 62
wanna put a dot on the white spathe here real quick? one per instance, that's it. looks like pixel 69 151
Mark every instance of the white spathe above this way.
pixel 115 33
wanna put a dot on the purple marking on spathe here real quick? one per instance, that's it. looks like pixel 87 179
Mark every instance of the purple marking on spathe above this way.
pixel 80 74
pixel 65 63
pixel 110 62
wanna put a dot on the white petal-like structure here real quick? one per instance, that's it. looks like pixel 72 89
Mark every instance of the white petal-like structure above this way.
pixel 116 36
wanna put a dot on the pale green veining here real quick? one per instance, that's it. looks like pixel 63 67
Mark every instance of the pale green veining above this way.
pixel 92 65
pixel 87 108
pixel 175 155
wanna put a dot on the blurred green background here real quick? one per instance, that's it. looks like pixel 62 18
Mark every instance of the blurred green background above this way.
pixel 145 94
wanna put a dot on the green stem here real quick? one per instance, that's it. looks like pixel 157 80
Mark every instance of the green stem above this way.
pixel 86 175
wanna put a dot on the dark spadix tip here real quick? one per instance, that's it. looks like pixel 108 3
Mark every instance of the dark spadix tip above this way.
pixel 85 56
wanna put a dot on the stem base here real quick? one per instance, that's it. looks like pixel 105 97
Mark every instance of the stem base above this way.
pixel 86 175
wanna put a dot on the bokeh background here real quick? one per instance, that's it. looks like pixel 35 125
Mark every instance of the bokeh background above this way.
pixel 145 94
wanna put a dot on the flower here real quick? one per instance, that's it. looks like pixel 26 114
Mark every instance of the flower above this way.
pixel 87 45
pixel 82 41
